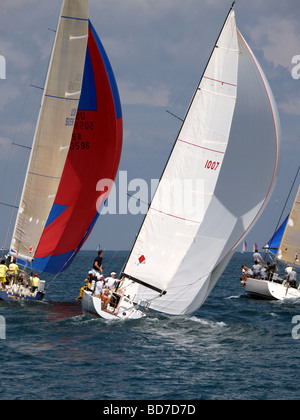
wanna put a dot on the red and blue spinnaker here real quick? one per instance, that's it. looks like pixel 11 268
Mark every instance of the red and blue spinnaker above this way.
pixel 94 154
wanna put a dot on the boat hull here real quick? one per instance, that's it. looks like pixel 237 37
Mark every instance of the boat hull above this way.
pixel 92 307
pixel 6 296
pixel 263 289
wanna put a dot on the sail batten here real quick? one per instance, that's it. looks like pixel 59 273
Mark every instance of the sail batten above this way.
pixel 202 147
pixel 75 18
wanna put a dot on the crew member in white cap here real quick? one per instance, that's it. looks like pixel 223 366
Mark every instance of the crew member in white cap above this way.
pixel 109 287
pixel 111 281
pixel 98 290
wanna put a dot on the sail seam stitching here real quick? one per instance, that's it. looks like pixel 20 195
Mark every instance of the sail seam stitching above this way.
pixel 219 81
pixel 201 147
pixel 176 217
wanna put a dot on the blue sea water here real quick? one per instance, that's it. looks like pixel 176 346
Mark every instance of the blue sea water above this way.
pixel 231 348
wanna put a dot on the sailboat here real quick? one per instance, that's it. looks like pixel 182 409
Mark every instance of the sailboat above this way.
pixel 179 254
pixel 77 142
pixel 244 247
pixel 285 245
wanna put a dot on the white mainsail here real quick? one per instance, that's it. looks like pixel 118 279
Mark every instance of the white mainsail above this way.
pixel 289 249
pixel 54 128
pixel 231 127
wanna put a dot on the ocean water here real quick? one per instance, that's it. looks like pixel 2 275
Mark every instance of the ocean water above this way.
pixel 232 348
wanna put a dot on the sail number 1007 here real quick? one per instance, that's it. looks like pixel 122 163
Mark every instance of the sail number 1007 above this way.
pixel 213 166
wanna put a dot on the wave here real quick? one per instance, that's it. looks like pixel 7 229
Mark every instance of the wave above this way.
pixel 209 323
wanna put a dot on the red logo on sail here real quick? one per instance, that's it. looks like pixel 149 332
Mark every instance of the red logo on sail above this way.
pixel 142 259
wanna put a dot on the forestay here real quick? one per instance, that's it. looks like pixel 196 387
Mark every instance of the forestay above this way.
pixel 231 127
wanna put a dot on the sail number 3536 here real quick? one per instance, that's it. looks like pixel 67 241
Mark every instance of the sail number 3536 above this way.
pixel 213 166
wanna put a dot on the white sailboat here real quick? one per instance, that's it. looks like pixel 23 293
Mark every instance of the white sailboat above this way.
pixel 285 244
pixel 179 254
pixel 244 247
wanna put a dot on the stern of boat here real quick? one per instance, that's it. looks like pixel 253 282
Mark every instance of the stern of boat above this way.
pixel 120 307
pixel 258 289
pixel 270 290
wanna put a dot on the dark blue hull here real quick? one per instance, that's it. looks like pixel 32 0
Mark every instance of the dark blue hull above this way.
pixel 15 297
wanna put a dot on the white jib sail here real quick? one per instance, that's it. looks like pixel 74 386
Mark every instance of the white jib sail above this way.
pixel 289 249
pixel 188 183
pixel 228 133
pixel 55 126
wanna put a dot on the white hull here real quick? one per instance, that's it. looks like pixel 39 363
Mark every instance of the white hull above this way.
pixel 92 306
pixel 264 289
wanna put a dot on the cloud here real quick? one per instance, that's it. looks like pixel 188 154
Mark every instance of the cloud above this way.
pixel 5 148
pixel 148 95
pixel 291 106
pixel 9 92
pixel 15 56
pixel 279 39
pixel 276 36
pixel 14 5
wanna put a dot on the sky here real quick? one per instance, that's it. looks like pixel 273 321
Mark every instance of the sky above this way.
pixel 158 50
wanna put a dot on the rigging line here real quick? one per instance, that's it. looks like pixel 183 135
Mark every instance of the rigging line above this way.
pixel 36 87
pixel 9 205
pixel 138 199
pixel 21 145
pixel 173 115
pixel 288 197
pixel 60 271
